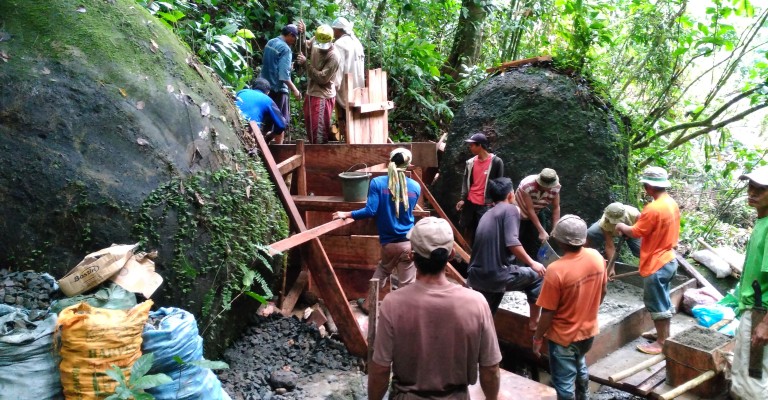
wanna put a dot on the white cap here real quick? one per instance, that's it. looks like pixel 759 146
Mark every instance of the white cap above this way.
pixel 430 234
pixel 343 24
pixel 758 176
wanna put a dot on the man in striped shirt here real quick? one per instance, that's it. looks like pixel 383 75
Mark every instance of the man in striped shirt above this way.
pixel 535 193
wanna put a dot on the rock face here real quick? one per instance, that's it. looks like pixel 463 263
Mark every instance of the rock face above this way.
pixel 100 105
pixel 536 118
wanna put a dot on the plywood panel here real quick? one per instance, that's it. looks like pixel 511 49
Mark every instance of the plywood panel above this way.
pixel 352 250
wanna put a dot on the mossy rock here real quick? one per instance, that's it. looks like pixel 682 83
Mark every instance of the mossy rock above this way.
pixel 100 105
pixel 537 118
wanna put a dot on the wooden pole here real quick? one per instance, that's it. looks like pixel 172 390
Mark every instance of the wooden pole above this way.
pixel 697 275
pixel 619 276
pixel 637 368
pixel 373 310
pixel 688 385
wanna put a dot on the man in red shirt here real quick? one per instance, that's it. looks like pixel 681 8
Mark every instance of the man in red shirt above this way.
pixel 659 227
pixel 574 287
pixel 480 169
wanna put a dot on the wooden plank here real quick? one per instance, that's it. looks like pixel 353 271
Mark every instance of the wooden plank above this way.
pixel 373 304
pixel 301 176
pixel 282 190
pixel 375 107
pixel 336 203
pixel 288 165
pixel 384 118
pixel 352 250
pixel 431 199
pixel 350 97
pixel 303 237
pixel 656 379
pixel 517 63
pixel 338 158
pixel 697 275
pixel 516 387
pixel 286 308
pixel 426 153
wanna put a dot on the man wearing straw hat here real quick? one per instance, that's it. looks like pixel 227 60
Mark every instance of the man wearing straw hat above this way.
pixel 604 230
pixel 391 200
pixel 535 193
pixel 659 227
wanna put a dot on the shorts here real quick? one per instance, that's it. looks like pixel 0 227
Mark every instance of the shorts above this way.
pixel 281 100
pixel 656 291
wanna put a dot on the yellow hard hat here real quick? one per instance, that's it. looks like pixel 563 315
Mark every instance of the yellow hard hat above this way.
pixel 324 36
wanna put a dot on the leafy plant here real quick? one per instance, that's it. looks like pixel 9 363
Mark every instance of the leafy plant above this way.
pixel 133 388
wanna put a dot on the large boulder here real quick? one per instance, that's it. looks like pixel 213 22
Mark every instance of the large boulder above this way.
pixel 536 117
pixel 100 106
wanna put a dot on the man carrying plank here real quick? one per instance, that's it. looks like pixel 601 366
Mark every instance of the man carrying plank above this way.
pixel 752 383
pixel 659 227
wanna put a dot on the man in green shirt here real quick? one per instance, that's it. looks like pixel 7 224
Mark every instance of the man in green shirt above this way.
pixel 755 269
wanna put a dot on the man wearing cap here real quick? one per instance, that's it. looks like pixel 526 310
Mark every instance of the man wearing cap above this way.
pixel 433 336
pixel 352 58
pixel 659 228
pixel 322 69
pixel 391 200
pixel 479 169
pixel 574 287
pixel 260 110
pixel 276 69
pixel 535 193
pixel 491 269
pixel 755 269
pixel 604 230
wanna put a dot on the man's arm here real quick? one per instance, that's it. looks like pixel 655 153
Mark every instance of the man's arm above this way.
pixel 489 381
pixel 528 205
pixel 464 189
pixel 521 255
pixel 325 75
pixel 625 230
pixel 378 380
pixel 545 321
pixel 610 248
pixel 556 209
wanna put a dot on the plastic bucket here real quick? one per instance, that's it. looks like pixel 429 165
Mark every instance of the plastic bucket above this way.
pixel 354 184
pixel 546 254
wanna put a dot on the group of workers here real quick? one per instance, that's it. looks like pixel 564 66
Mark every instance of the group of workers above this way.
pixel 434 337
pixel 333 52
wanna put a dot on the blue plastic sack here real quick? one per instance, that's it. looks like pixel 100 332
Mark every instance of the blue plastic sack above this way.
pixel 730 328
pixel 708 315
pixel 29 368
pixel 172 332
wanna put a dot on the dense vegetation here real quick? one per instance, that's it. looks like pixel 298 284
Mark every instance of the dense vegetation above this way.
pixel 689 76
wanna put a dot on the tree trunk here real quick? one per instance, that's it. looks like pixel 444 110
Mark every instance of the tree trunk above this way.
pixel 469 37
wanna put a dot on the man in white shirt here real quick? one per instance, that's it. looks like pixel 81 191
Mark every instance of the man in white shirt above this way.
pixel 352 61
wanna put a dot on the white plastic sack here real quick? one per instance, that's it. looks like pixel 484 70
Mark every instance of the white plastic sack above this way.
pixel 712 261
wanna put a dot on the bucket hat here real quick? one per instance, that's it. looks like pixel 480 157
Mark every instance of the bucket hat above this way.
pixel 614 213
pixel 656 177
pixel 547 178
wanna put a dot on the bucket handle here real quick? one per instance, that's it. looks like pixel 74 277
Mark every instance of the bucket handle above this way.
pixel 366 167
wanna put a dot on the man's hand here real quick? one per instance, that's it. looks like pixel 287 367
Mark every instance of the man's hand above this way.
pixel 538 268
pixel 300 25
pixel 297 94
pixel 760 338
pixel 300 59
pixel 537 346
pixel 543 236
pixel 342 215
pixel 459 205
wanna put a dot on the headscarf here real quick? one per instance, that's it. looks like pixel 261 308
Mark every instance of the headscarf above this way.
pixel 397 184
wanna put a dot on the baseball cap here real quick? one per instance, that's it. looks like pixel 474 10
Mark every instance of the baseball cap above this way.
pixel 478 138
pixel 570 229
pixel 291 29
pixel 323 37
pixel 548 178
pixel 343 24
pixel 614 213
pixel 656 177
pixel 758 176
pixel 430 234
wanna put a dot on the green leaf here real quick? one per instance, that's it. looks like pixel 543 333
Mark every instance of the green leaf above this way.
pixel 112 397
pixel 143 396
pixel 150 381
pixel 179 360
pixel 141 367
pixel 246 34
pixel 258 297
pixel 210 364
pixel 116 373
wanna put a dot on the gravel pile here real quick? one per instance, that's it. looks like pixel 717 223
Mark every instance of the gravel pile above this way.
pixel 276 354
pixel 27 289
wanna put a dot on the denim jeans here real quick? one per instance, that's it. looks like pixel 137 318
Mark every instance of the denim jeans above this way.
pixel 656 291
pixel 568 367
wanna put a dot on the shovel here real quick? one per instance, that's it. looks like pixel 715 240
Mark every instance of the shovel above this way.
pixel 546 254
pixel 756 352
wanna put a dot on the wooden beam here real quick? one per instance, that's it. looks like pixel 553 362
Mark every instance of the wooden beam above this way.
pixel 373 304
pixel 431 199
pixel 293 296
pixel 336 203
pixel 303 237
pixel 373 107
pixel 289 164
pixel 517 63
pixel 301 176
pixel 697 275
pixel 297 223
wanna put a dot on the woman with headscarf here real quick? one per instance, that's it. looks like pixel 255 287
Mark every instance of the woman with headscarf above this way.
pixel 391 200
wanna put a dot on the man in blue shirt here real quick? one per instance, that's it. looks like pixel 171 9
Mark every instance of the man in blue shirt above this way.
pixel 276 69
pixel 391 200
pixel 260 110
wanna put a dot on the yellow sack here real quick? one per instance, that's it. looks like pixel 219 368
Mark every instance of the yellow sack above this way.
pixel 92 340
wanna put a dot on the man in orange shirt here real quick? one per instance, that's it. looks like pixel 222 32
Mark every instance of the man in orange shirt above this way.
pixel 574 288
pixel 659 227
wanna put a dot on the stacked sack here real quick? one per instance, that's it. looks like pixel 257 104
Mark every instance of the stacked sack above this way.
pixel 172 332
pixel 94 339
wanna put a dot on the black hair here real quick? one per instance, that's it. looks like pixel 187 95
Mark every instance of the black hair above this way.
pixel 398 159
pixel 261 84
pixel 499 188
pixel 288 30
pixel 655 188
pixel 434 264
pixel 569 248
